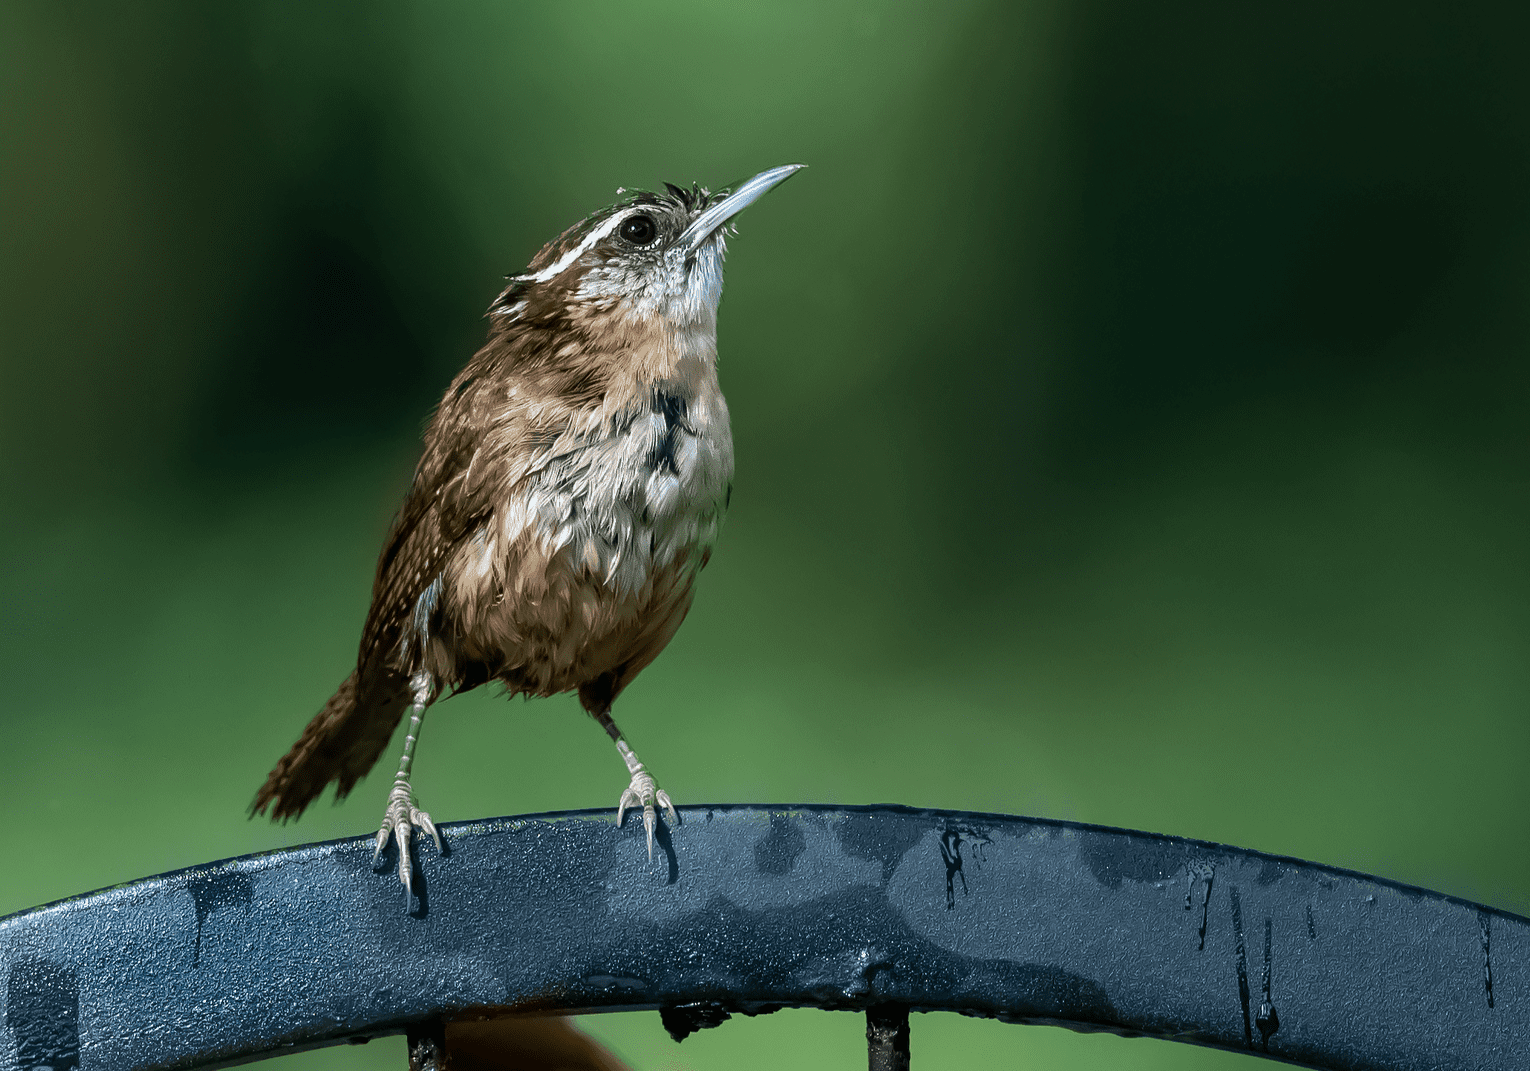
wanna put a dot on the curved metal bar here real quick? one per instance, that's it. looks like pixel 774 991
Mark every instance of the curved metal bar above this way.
pixel 752 908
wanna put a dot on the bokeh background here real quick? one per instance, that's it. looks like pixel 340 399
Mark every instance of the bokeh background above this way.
pixel 1130 405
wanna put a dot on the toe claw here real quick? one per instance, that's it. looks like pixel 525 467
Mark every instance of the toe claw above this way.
pixel 645 793
pixel 422 820
pixel 399 822
pixel 401 833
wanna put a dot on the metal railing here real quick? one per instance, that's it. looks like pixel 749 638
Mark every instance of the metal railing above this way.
pixel 747 909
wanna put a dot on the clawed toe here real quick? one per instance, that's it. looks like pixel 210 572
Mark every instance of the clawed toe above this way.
pixel 644 792
pixel 400 820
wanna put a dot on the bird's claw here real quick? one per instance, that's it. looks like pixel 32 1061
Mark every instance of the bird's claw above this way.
pixel 400 820
pixel 645 792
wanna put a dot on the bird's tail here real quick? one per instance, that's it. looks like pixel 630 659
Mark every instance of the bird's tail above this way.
pixel 341 744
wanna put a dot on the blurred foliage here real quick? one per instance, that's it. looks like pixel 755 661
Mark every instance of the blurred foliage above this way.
pixel 1130 405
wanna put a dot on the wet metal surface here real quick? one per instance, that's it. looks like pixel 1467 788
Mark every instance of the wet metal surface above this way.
pixel 749 908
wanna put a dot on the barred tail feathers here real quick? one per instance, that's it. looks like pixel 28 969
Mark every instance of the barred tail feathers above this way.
pixel 340 744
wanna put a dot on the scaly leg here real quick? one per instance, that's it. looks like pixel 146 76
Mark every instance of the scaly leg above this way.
pixel 402 816
pixel 644 791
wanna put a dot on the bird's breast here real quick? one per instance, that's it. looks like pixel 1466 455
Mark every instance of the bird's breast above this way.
pixel 588 564
pixel 611 504
pixel 648 491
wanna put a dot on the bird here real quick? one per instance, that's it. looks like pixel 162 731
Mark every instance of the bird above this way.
pixel 570 487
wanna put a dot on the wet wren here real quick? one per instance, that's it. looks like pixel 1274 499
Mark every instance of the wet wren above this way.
pixel 570 489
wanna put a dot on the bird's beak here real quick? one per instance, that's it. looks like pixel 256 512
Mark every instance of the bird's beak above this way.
pixel 705 225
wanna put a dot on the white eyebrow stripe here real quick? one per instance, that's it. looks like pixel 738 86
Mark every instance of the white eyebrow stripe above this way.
pixel 553 271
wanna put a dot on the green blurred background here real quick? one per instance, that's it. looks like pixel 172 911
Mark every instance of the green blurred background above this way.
pixel 1130 405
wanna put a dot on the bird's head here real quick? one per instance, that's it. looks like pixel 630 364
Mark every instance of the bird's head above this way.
pixel 653 254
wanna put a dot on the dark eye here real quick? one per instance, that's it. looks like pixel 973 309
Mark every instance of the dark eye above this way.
pixel 639 230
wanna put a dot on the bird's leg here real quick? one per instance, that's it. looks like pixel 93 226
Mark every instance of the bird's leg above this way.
pixel 402 816
pixel 644 791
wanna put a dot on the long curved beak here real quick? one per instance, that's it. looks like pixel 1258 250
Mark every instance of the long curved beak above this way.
pixel 705 225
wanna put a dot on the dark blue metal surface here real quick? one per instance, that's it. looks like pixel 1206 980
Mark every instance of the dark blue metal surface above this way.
pixel 751 908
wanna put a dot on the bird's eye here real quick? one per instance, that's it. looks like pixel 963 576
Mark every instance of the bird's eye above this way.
pixel 639 230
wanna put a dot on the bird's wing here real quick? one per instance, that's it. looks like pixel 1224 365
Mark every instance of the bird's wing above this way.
pixel 453 495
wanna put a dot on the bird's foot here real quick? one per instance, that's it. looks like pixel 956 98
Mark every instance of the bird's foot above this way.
pixel 643 792
pixel 400 820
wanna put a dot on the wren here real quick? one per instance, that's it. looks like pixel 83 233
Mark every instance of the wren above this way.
pixel 570 490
